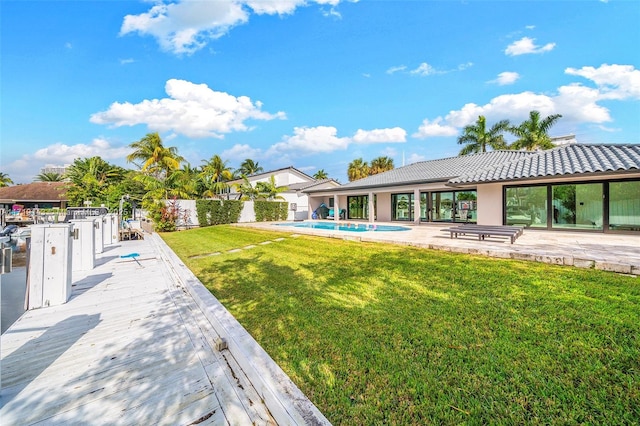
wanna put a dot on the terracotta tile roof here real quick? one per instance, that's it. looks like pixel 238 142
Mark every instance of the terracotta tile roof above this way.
pixel 36 191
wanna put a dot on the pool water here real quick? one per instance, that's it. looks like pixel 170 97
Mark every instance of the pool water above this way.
pixel 346 226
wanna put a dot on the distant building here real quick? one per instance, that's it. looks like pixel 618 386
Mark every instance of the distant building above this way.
pixel 61 170
pixel 564 140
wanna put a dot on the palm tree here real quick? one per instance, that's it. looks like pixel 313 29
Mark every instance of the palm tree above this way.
pixel 320 175
pixel 477 138
pixel 215 174
pixel 153 156
pixel 358 169
pixel 5 180
pixel 380 165
pixel 90 179
pixel 249 167
pixel 246 190
pixel 269 191
pixel 534 133
pixel 49 177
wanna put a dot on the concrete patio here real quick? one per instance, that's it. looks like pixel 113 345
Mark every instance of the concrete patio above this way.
pixel 609 252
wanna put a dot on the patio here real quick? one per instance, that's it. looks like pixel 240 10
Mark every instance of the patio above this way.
pixel 610 252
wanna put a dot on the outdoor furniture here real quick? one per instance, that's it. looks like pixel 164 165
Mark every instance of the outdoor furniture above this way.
pixel 482 231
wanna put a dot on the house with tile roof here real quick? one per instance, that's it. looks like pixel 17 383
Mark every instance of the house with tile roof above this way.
pixel 571 187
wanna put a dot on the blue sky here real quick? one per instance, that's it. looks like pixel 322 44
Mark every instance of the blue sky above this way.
pixel 309 84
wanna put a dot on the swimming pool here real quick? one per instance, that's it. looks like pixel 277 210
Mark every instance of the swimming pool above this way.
pixel 346 226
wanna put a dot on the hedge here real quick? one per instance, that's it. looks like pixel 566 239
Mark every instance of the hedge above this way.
pixel 216 212
pixel 270 210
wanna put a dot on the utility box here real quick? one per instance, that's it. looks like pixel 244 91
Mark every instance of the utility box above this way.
pixel 110 229
pixel 99 237
pixel 84 250
pixel 50 259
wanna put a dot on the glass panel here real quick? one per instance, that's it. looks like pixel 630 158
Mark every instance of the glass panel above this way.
pixel 442 206
pixel 402 207
pixel 424 206
pixel 527 205
pixel 624 206
pixel 358 207
pixel 577 206
pixel 466 206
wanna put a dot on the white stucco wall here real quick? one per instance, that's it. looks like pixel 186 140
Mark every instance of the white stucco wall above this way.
pixel 490 204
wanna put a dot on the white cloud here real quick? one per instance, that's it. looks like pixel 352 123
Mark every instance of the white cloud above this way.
pixel 240 152
pixel 310 140
pixel 434 129
pixel 613 81
pixel 28 166
pixel 415 158
pixel 506 78
pixel 193 110
pixel 530 27
pixel 395 134
pixel 424 69
pixel 576 102
pixel 526 46
pixel 185 26
pixel 394 70
pixel 126 61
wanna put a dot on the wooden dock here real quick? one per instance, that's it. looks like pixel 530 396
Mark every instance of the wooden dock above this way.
pixel 132 346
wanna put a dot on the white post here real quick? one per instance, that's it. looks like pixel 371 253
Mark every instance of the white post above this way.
pixel 416 208
pixel 50 265
pixel 84 251
pixel 336 208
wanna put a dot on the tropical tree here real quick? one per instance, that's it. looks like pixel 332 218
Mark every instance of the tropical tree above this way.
pixel 49 177
pixel 358 169
pixel 477 138
pixel 215 174
pixel 90 179
pixel 533 133
pixel 268 190
pixel 247 191
pixel 5 180
pixel 249 167
pixel 320 174
pixel 380 165
pixel 152 157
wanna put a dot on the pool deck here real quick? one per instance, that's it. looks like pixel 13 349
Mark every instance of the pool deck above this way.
pixel 141 341
pixel 610 252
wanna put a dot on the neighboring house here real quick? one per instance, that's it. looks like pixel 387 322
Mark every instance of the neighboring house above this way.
pixel 18 201
pixel 297 183
pixel 574 186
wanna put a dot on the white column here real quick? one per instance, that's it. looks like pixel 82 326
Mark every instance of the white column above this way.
pixel 416 206
pixel 372 210
pixel 336 208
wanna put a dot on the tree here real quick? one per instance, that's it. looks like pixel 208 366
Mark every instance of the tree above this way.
pixel 358 169
pixel 476 138
pixel 320 175
pixel 247 191
pixel 269 191
pixel 380 165
pixel 533 133
pixel 215 174
pixel 5 180
pixel 249 167
pixel 151 156
pixel 49 177
pixel 90 179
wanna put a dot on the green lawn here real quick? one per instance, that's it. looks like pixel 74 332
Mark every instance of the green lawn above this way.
pixel 385 334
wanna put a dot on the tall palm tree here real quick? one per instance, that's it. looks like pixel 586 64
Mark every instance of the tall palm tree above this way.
pixel 477 138
pixel 49 177
pixel 249 167
pixel 215 174
pixel 534 133
pixel 380 165
pixel 358 169
pixel 153 157
pixel 247 191
pixel 90 179
pixel 320 175
pixel 5 180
